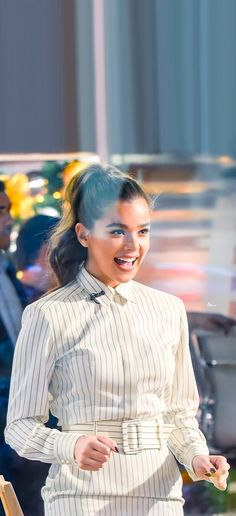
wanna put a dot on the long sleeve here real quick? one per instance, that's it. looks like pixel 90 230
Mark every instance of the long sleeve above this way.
pixel 186 441
pixel 28 408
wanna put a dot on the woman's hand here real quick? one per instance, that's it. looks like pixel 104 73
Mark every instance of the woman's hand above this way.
pixel 213 468
pixel 93 451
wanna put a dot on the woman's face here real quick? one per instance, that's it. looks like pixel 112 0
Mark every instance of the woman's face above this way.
pixel 5 221
pixel 118 242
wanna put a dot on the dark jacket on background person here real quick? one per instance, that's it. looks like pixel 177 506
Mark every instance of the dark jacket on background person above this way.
pixel 7 350
pixel 17 470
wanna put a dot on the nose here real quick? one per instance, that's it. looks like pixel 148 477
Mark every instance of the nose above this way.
pixel 131 242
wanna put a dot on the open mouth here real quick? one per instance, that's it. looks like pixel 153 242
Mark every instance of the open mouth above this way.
pixel 125 263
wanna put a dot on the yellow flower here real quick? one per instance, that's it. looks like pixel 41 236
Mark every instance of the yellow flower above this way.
pixel 73 168
pixel 17 189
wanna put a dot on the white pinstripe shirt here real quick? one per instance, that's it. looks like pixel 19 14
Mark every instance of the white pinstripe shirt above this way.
pixel 126 356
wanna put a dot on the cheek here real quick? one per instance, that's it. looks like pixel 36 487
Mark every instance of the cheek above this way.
pixel 103 247
pixel 145 245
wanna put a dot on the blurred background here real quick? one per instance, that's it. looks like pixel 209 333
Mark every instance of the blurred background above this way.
pixel 148 85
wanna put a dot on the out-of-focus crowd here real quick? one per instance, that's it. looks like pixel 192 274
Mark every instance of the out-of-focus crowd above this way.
pixel 31 263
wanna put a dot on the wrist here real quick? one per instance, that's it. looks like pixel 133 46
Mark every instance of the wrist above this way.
pixel 76 444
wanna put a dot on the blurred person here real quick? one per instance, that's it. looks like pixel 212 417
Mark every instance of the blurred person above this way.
pixel 113 355
pixel 31 255
pixel 12 301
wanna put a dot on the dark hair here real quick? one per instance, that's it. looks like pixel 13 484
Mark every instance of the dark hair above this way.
pixel 32 235
pixel 87 198
pixel 2 186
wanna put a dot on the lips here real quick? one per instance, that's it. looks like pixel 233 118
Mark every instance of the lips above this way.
pixel 126 263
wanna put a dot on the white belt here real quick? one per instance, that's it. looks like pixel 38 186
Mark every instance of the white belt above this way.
pixel 132 435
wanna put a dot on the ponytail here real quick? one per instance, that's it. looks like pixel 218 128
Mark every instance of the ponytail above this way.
pixel 66 258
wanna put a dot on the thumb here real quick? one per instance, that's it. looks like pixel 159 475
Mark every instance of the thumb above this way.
pixel 109 442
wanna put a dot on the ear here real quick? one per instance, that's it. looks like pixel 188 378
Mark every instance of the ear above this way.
pixel 82 234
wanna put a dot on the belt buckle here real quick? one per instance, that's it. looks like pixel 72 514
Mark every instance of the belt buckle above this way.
pixel 125 436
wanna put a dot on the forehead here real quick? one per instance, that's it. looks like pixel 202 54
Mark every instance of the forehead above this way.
pixel 4 200
pixel 132 212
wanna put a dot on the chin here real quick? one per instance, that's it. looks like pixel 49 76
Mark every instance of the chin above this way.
pixel 124 277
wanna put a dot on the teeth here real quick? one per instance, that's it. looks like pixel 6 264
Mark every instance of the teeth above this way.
pixel 126 259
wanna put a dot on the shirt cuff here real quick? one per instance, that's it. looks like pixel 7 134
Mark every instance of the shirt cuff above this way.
pixel 188 459
pixel 64 447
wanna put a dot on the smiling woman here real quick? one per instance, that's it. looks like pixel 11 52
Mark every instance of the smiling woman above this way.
pixel 112 357
pixel 107 217
pixel 118 243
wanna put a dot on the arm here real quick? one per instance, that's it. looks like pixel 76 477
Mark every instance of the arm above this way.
pixel 186 441
pixel 28 409
pixel 210 321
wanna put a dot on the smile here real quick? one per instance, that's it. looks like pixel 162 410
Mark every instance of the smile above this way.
pixel 125 263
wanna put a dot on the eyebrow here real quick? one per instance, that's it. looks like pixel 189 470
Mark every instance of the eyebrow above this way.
pixel 118 224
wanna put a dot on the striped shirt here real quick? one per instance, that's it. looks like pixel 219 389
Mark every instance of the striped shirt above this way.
pixel 125 356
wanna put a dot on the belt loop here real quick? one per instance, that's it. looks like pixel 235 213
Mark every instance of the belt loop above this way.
pixel 95 427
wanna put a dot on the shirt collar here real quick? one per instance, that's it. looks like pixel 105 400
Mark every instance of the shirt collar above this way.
pixel 94 285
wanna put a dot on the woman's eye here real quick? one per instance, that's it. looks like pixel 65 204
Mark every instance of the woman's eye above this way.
pixel 117 232
pixel 144 231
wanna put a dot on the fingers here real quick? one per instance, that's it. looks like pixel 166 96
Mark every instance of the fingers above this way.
pixel 219 462
pixel 203 466
pixel 219 471
pixel 88 458
pixel 220 481
pixel 108 442
pixel 92 452
pixel 91 464
pixel 99 457
pixel 100 447
pixel 211 472
pixel 213 468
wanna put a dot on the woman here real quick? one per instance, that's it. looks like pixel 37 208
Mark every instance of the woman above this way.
pixel 112 355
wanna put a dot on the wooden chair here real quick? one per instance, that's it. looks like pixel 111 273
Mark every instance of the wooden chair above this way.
pixel 9 499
